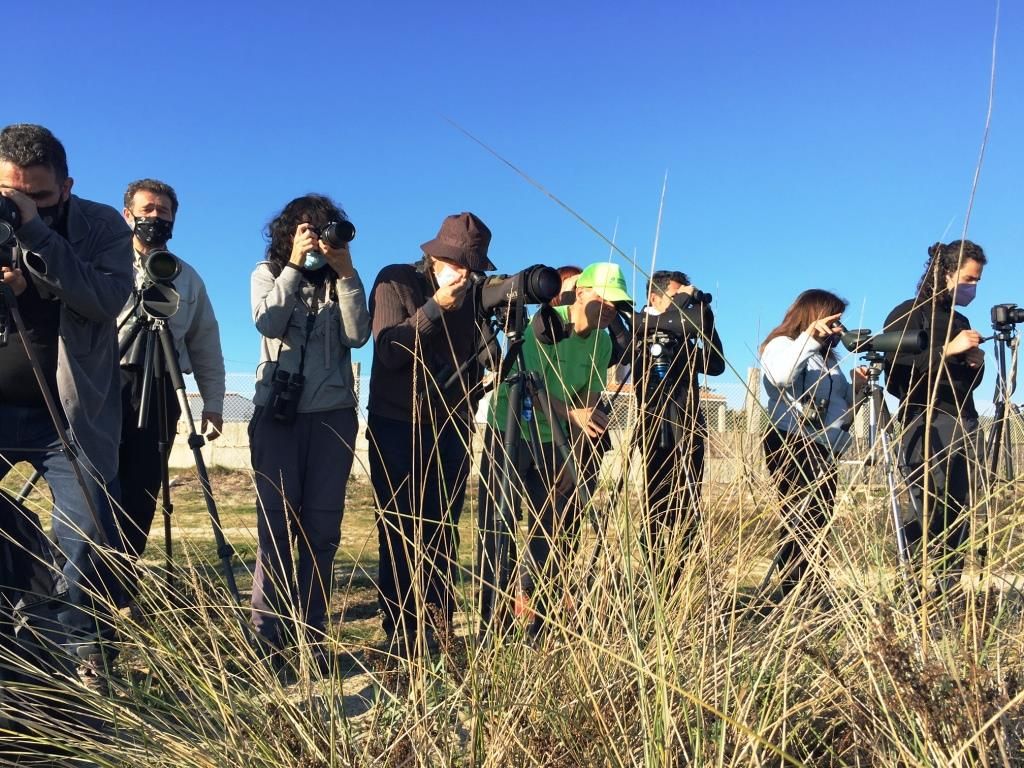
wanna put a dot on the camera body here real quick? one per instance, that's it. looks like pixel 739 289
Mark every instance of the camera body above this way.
pixel 1007 314
pixel 285 391
pixel 815 411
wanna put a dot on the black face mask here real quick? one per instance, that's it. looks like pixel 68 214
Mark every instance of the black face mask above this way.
pixel 52 215
pixel 152 230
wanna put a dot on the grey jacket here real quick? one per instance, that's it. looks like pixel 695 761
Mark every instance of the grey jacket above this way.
pixel 195 331
pixel 90 273
pixel 280 307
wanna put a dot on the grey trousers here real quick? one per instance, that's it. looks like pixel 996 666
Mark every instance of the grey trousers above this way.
pixel 302 471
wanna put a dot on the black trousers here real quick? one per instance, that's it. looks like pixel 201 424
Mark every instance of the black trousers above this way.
pixel 140 466
pixel 673 457
pixel 940 487
pixel 419 474
pixel 805 474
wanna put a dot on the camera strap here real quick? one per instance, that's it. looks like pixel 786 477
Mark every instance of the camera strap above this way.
pixel 310 322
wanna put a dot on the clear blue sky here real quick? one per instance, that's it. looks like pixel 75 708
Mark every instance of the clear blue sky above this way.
pixel 806 144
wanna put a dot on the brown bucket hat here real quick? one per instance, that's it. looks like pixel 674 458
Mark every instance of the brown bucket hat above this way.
pixel 463 239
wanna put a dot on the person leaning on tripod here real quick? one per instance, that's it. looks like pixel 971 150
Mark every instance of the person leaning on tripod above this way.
pixel 936 393
pixel 424 388
pixel 71 274
pixel 309 306
pixel 810 404
pixel 571 364
pixel 150 209
pixel 671 427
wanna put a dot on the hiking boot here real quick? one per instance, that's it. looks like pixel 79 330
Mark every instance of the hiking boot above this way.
pixel 93 673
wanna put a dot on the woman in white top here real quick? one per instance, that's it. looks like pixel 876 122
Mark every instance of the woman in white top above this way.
pixel 810 408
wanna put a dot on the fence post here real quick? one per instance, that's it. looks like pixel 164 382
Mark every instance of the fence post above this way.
pixel 752 400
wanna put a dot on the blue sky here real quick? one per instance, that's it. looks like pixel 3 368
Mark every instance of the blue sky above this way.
pixel 806 144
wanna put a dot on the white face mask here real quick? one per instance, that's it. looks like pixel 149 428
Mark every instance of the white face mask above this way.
pixel 446 275
pixel 650 309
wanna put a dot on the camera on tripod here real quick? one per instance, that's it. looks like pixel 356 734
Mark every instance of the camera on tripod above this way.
pixel 862 342
pixel 534 285
pixel 1004 315
pixel 285 391
pixel 10 221
pixel 161 266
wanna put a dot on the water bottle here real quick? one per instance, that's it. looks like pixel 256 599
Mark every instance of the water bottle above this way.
pixel 527 408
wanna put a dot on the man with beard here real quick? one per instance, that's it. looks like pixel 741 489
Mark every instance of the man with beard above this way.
pixel 150 208
pixel 68 268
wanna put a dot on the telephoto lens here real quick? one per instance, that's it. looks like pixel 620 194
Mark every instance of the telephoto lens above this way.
pixel 337 233
pixel 862 341
pixel 162 266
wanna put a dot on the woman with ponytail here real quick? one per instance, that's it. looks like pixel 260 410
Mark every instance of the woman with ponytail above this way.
pixel 936 392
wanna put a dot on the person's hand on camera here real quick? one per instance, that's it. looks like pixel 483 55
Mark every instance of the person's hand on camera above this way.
pixel 451 296
pixel 975 357
pixel 821 329
pixel 26 205
pixel 339 259
pixel 305 240
pixel 963 341
pixel 15 279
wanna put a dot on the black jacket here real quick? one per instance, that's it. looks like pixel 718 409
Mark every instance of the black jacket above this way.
pixel 911 378
pixel 698 349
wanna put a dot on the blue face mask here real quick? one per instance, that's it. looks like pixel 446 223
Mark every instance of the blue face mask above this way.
pixel 314 261
pixel 965 293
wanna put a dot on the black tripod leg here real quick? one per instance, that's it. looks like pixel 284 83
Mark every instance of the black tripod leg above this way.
pixel 26 489
pixel 196 442
pixel 164 449
pixel 504 522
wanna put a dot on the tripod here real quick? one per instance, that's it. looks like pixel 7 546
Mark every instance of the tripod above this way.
pixel 149 338
pixel 878 433
pixel 525 389
pixel 1000 438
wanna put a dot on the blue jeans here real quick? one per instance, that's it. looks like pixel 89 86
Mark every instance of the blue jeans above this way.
pixel 89 543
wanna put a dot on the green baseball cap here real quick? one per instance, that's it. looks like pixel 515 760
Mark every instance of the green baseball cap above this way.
pixel 607 281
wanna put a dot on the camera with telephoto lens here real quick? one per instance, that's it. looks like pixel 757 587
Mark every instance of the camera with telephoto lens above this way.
pixel 862 341
pixel 10 221
pixel 337 233
pixel 285 391
pixel 1007 314
pixel 161 266
pixel 534 285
